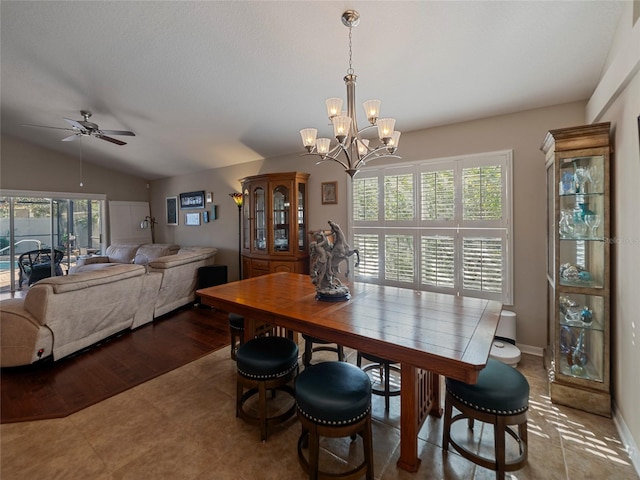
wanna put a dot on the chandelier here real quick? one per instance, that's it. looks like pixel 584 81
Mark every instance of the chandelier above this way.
pixel 352 150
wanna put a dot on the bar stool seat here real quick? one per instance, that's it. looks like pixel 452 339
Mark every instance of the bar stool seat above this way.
pixel 236 330
pixel 323 345
pixel 334 400
pixel 265 363
pixel 500 397
pixel 384 367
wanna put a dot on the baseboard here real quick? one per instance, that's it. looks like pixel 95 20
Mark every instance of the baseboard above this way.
pixel 537 351
pixel 626 438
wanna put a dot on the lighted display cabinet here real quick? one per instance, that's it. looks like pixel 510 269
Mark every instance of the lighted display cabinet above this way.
pixel 274 224
pixel 577 357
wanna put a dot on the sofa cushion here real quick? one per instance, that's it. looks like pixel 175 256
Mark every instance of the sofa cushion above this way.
pixel 122 253
pixel 151 251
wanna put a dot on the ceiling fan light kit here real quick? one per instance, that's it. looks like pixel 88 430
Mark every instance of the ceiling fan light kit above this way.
pixel 88 129
pixel 352 150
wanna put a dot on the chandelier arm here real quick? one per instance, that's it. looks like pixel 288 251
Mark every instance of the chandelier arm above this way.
pixel 327 158
pixel 368 157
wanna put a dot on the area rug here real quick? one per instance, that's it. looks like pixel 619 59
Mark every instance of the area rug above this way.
pixel 56 389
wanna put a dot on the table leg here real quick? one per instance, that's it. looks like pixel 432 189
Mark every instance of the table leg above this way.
pixel 420 397
pixel 249 329
pixel 409 424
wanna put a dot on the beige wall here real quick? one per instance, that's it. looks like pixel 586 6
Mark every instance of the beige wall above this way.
pixel 29 167
pixel 523 132
pixel 617 100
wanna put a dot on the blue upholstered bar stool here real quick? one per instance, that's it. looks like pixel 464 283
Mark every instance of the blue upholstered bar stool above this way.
pixel 334 400
pixel 236 330
pixel 323 345
pixel 384 367
pixel 501 398
pixel 265 363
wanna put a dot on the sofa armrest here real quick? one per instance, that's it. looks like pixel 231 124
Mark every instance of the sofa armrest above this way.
pixel 23 339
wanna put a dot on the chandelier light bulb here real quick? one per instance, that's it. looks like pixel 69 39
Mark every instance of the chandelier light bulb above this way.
pixel 395 139
pixel 334 107
pixel 385 129
pixel 341 125
pixel 392 146
pixel 322 145
pixel 372 110
pixel 363 146
pixel 309 138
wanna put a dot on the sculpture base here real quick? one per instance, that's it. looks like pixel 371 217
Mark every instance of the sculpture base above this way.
pixel 338 294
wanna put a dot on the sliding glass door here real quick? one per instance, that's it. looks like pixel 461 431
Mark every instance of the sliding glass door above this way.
pixel 71 223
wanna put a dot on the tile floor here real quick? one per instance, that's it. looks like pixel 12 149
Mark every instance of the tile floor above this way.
pixel 182 426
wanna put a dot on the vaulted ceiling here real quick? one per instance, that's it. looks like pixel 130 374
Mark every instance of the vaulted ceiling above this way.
pixel 209 84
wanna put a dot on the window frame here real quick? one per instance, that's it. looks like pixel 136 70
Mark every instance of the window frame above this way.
pixel 458 227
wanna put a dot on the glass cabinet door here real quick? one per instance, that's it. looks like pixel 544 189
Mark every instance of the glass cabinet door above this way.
pixel 302 221
pixel 281 206
pixel 581 337
pixel 246 215
pixel 581 230
pixel 260 230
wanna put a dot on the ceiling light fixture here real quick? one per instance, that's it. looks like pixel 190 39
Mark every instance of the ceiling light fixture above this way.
pixel 356 150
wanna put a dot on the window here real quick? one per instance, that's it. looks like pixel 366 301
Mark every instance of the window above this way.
pixel 442 225
pixel 34 220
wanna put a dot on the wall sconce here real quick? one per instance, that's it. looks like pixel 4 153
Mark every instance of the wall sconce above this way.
pixel 149 222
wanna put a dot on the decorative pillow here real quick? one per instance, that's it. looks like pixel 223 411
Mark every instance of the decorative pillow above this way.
pixel 121 253
pixel 146 253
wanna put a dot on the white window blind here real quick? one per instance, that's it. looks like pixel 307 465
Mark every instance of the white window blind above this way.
pixel 442 225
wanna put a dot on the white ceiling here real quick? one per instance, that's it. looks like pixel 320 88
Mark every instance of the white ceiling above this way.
pixel 209 84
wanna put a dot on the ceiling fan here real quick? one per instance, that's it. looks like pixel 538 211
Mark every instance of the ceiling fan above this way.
pixel 87 128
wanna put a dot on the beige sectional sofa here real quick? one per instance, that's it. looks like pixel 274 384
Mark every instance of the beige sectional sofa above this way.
pixel 61 315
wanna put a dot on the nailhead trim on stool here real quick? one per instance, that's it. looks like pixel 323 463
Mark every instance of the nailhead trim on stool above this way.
pixel 499 397
pixel 334 400
pixel 265 363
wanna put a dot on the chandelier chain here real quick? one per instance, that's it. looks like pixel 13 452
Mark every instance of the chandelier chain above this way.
pixel 350 70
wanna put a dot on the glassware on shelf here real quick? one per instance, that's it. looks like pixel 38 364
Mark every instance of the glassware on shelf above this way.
pixel 586 315
pixel 592 220
pixel 566 223
pixel 567 184
pixel 574 315
pixel 579 227
pixel 595 177
pixel 581 176
pixel 574 273
pixel 578 357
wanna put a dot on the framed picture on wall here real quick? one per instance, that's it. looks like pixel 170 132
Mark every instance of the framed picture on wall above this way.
pixel 192 219
pixel 329 193
pixel 192 200
pixel 172 210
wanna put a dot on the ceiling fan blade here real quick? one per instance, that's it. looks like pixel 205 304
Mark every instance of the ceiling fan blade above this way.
pixel 44 126
pixel 118 132
pixel 75 124
pixel 112 140
pixel 71 138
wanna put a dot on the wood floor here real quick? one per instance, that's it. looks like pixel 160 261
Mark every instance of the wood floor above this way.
pixel 56 389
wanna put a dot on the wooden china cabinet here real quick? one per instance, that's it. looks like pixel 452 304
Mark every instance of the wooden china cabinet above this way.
pixel 577 357
pixel 274 224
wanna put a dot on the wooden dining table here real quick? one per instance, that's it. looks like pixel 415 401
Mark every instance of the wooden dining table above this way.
pixel 429 334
